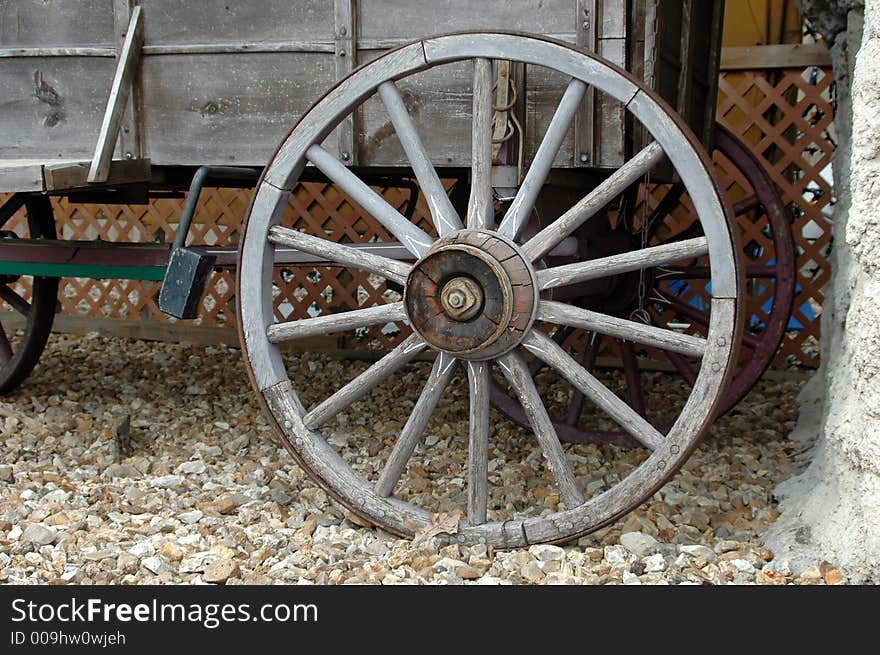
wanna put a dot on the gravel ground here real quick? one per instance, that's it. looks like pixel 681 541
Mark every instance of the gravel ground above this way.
pixel 127 462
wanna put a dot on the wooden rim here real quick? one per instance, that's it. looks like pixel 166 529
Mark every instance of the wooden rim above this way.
pixel 39 312
pixel 260 334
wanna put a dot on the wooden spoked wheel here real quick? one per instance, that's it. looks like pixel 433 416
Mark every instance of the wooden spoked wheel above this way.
pixel 764 237
pixel 475 297
pixel 23 338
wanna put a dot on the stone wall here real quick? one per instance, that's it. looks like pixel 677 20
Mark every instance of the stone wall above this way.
pixel 833 508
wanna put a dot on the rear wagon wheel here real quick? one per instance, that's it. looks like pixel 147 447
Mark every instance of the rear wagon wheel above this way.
pixel 27 323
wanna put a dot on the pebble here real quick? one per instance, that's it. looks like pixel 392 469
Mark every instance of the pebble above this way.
pixel 209 496
pixel 638 543
pixel 168 481
pixel 38 534
pixel 532 572
pixel 220 571
pixel 157 564
pixel 191 517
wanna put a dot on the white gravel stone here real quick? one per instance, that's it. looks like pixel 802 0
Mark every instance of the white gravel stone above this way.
pixel 698 550
pixel 39 534
pixel 157 564
pixel 142 549
pixel 253 506
pixel 654 563
pixel 168 481
pixel 639 544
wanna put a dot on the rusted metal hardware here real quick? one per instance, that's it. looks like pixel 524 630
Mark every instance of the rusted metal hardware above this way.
pixel 473 294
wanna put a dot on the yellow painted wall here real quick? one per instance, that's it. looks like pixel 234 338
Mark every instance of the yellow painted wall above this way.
pixel 761 22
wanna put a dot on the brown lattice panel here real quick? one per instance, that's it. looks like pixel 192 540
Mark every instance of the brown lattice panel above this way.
pixel 785 116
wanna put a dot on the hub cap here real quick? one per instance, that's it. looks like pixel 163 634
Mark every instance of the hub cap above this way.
pixel 473 294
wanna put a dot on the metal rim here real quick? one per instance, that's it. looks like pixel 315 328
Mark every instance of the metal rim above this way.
pixel 760 348
pixel 260 333
pixel 19 356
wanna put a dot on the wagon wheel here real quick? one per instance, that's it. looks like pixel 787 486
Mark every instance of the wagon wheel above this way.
pixel 760 208
pixel 474 297
pixel 21 344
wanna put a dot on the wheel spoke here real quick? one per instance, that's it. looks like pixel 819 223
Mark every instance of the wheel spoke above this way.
pixel 683 366
pixel 404 353
pixel 747 205
pixel 5 347
pixel 18 303
pixel 480 210
pixel 413 238
pixel 543 347
pixel 521 382
pixel 520 209
pixel 705 273
pixel 441 374
pixel 319 325
pixel 478 443
pixel 593 202
pixel 341 254
pixel 562 314
pixel 445 217
pixel 576 406
pixel 622 263
pixel 633 377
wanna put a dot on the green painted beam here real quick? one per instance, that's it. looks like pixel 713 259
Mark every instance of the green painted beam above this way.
pixel 155 273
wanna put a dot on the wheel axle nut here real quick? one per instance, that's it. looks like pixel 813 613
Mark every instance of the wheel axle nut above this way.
pixel 462 298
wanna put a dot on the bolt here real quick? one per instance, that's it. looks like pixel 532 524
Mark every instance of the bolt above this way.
pixel 461 298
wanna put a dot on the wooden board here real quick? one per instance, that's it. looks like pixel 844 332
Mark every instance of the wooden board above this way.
pixel 227 108
pixel 56 22
pixel 53 106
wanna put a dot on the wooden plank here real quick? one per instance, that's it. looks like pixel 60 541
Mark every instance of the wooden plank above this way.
pixel 235 116
pixel 172 22
pixel 21 176
pixel 127 63
pixel 344 33
pixel 57 23
pixel 129 139
pixel 64 177
pixel 403 19
pixel 52 106
pixel 57 51
pixel 787 55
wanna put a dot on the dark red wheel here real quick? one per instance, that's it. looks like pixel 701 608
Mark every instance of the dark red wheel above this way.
pixel 25 323
pixel 673 292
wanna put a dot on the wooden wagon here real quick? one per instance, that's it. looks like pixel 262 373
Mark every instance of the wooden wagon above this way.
pixel 548 170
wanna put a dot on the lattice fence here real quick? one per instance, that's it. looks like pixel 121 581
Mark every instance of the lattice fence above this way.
pixel 785 116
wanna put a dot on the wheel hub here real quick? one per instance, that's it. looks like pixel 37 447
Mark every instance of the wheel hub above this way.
pixel 473 295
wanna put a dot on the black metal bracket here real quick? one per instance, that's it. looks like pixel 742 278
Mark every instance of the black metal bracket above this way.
pixel 189 268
